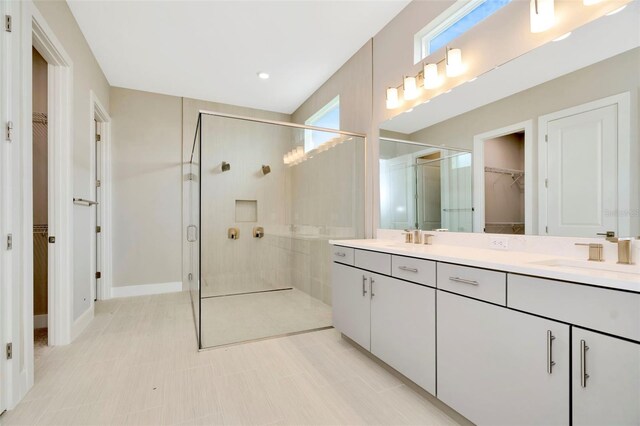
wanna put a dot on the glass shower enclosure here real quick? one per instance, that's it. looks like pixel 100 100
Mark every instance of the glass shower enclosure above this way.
pixel 261 200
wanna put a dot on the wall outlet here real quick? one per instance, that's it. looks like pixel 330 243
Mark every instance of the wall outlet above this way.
pixel 499 243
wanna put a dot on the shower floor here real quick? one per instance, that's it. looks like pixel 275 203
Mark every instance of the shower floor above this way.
pixel 238 318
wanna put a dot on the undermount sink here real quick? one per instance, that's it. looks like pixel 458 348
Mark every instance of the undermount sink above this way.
pixel 585 264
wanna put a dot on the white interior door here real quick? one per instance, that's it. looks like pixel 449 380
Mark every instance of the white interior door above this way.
pixel 582 171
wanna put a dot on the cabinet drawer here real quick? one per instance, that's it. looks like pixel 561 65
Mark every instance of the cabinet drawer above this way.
pixel 342 254
pixel 473 282
pixel 417 270
pixel 610 311
pixel 373 261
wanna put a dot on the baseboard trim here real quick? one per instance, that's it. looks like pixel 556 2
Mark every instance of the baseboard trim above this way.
pixel 40 321
pixel 146 289
pixel 81 323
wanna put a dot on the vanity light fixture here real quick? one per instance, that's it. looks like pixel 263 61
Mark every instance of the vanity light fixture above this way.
pixel 409 88
pixel 431 77
pixel 392 98
pixel 542 15
pixel 613 12
pixel 453 60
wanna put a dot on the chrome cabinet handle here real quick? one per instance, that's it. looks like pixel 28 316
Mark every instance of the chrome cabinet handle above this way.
pixel 371 281
pixel 364 286
pixel 340 254
pixel 583 363
pixel 406 268
pixel 550 361
pixel 463 281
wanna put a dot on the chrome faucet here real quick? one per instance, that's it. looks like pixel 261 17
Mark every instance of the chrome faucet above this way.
pixel 412 236
pixel 624 247
pixel 595 251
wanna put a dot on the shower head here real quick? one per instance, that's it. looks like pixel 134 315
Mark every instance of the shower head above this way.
pixel 266 169
pixel 226 166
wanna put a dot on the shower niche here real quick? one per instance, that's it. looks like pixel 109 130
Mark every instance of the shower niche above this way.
pixel 273 277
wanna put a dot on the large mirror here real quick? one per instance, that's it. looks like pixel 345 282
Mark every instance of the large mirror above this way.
pixel 546 144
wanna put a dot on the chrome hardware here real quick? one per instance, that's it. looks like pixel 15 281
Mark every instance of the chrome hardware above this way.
pixel 408 236
pixel 258 232
pixel 417 236
pixel 595 251
pixel 583 363
pixel 340 254
pixel 192 233
pixel 52 239
pixel 426 238
pixel 624 249
pixel 83 202
pixel 233 233
pixel 442 230
pixel 371 281
pixel 364 286
pixel 463 281
pixel 609 235
pixel 9 135
pixel 406 268
pixel 550 361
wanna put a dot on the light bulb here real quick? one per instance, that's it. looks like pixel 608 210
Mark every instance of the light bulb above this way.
pixel 410 88
pixel 431 77
pixel 542 15
pixel 454 62
pixel 392 98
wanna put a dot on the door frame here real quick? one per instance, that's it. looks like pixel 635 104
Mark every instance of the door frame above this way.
pixel 478 173
pixel 99 113
pixel 6 258
pixel 623 103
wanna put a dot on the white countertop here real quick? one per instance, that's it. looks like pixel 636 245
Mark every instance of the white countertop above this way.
pixel 512 261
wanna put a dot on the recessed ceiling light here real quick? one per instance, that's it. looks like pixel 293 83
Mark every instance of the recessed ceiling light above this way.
pixel 613 12
pixel 263 75
pixel 562 37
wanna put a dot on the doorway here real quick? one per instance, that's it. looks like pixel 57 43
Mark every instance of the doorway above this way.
pixel 502 189
pixel 40 169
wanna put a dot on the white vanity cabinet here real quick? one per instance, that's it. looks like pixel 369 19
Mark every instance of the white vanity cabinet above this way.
pixel 501 367
pixel 403 328
pixel 351 303
pixel 605 379
pixel 392 318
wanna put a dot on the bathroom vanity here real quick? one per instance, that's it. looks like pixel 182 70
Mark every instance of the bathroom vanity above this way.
pixel 502 337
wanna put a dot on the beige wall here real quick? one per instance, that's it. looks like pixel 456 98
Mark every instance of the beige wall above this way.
pixel 353 83
pixel 146 170
pixel 87 76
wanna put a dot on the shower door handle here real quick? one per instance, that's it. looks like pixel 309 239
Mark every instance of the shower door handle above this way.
pixel 192 233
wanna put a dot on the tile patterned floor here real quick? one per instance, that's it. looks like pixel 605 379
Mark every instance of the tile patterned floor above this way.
pixel 232 319
pixel 137 364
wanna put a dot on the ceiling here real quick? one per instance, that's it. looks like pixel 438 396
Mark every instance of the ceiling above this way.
pixel 213 50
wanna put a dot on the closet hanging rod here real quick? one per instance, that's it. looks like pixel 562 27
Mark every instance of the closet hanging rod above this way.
pixel 504 171
pixel 83 202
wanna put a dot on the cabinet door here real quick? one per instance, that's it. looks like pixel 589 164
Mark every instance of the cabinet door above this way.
pixel 351 304
pixel 403 328
pixel 494 364
pixel 606 380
